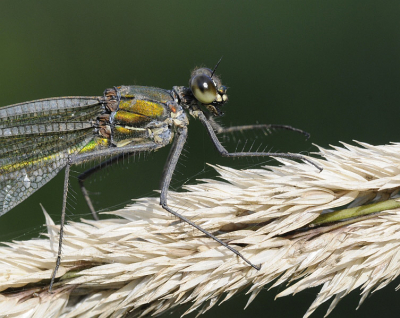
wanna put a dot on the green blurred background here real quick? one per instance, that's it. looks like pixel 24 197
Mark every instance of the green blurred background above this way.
pixel 329 67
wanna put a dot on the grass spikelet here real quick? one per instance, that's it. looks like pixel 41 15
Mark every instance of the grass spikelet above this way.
pixel 338 229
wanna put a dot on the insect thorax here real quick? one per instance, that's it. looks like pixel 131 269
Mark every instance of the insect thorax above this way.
pixel 138 114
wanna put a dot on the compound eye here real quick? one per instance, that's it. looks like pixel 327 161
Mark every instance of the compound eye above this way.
pixel 203 88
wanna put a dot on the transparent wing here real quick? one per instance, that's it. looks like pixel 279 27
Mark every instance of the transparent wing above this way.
pixel 35 141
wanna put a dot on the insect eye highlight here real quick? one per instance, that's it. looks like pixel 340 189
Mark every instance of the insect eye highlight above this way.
pixel 203 88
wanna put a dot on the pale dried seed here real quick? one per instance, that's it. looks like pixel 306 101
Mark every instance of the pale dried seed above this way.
pixel 147 257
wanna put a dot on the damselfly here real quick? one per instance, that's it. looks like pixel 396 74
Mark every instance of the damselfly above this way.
pixel 39 138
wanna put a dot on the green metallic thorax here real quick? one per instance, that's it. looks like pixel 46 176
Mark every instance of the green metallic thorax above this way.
pixel 140 110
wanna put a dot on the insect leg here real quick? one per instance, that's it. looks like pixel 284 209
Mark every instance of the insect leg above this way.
pixel 165 182
pixel 222 130
pixel 221 149
pixel 86 174
pixel 64 204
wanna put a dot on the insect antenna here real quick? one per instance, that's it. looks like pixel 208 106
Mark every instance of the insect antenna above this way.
pixel 215 68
